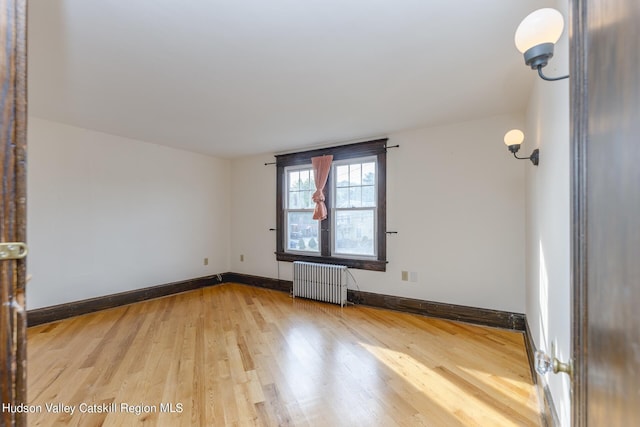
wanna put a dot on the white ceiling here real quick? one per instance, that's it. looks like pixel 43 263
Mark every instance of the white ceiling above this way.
pixel 237 77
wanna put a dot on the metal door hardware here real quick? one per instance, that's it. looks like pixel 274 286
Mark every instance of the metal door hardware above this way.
pixel 13 250
pixel 545 363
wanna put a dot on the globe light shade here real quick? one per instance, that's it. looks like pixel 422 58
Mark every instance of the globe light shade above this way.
pixel 513 137
pixel 539 27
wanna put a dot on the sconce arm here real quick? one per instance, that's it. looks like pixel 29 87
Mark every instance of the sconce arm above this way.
pixel 521 158
pixel 534 157
pixel 550 79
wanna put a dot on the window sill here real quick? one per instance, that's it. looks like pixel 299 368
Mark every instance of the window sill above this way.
pixel 361 264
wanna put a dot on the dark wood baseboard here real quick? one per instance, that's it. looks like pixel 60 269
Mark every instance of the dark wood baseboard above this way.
pixel 548 412
pixel 478 316
pixel 259 281
pixel 62 311
pixel 530 346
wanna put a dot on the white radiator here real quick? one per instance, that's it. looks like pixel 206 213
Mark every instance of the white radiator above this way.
pixel 322 282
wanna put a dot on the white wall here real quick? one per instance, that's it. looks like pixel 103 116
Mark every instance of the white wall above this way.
pixel 108 214
pixel 454 195
pixel 548 220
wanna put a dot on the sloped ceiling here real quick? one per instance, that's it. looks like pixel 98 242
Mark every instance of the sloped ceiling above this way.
pixel 232 78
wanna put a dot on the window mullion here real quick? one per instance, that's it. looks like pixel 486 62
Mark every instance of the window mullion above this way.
pixel 325 224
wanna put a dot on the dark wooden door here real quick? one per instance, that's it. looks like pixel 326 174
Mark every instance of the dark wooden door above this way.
pixel 606 211
pixel 12 208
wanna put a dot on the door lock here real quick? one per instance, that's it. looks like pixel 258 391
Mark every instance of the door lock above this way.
pixel 13 250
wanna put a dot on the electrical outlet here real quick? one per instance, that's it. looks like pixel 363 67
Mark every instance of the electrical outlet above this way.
pixel 241 258
pixel 206 261
pixel 413 276
pixel 405 276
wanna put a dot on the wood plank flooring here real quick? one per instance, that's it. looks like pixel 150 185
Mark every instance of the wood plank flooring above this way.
pixel 237 355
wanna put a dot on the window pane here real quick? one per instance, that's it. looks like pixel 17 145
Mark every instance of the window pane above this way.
pixel 342 176
pixel 368 173
pixel 354 232
pixel 300 188
pixel 304 177
pixel 308 202
pixel 294 177
pixel 294 200
pixel 355 171
pixel 368 196
pixel 342 197
pixel 355 199
pixel 300 200
pixel 302 232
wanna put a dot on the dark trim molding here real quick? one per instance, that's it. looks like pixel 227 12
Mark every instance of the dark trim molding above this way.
pixel 54 313
pixel 478 316
pixel 339 152
pixel 531 351
pixel 259 281
pixel 579 35
pixel 363 264
pixel 548 413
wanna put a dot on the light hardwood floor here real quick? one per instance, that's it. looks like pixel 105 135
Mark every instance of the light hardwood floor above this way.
pixel 238 355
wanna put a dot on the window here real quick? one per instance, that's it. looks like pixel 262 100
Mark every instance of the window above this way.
pixel 354 207
pixel 302 231
pixel 354 232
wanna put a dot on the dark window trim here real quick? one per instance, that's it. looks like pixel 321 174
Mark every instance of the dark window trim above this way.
pixel 351 151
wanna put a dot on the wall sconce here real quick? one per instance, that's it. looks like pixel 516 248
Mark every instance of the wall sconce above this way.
pixel 513 139
pixel 536 36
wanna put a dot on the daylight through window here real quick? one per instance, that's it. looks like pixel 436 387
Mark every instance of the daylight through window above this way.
pixel 354 232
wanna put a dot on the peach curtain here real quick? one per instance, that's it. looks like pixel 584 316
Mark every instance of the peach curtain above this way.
pixel 321 167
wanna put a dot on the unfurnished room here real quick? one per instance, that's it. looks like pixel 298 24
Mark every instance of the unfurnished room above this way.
pixel 320 213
